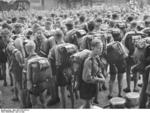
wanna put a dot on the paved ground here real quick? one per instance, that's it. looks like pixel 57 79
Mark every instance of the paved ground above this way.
pixel 8 103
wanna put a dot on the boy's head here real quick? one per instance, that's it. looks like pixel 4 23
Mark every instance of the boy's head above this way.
pixel 97 46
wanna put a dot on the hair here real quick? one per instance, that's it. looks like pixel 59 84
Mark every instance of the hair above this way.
pixel 59 33
pixel 91 25
pixel 96 42
pixel 130 19
pixel 82 18
pixel 39 17
pixel 6 26
pixel 14 20
pixel 114 16
pixel 99 20
pixel 133 24
pixel 69 26
pixel 30 45
pixel 147 22
pixel 5 32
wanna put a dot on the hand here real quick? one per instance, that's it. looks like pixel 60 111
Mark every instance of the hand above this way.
pixel 29 85
pixel 76 86
pixel 100 80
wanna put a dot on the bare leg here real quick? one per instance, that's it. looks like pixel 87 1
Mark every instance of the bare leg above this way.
pixel 136 77
pixel 96 95
pixel 4 74
pixel 111 84
pixel 72 96
pixel 120 78
pixel 88 104
pixel 128 78
pixel 62 90
pixel 34 101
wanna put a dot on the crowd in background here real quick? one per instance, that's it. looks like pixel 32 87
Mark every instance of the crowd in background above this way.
pixel 53 38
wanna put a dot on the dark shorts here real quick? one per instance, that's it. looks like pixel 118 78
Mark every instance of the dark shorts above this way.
pixel 87 91
pixel 138 68
pixel 17 73
pixel 61 79
pixel 130 61
pixel 119 67
pixel 38 89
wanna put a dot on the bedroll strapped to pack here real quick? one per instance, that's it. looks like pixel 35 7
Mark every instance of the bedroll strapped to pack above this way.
pixel 79 57
pixel 63 53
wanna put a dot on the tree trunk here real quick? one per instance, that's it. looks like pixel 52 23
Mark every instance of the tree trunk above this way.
pixel 43 4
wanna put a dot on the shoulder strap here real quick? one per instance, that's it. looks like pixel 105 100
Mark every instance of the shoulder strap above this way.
pixel 92 64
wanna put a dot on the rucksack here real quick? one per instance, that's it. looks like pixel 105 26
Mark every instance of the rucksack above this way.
pixel 39 72
pixel 73 36
pixel 63 52
pixel 79 59
pixel 86 44
pixel 131 39
pixel 116 52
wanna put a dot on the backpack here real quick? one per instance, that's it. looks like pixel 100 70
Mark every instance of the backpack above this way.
pixel 86 44
pixel 116 52
pixel 40 73
pixel 40 69
pixel 73 36
pixel 131 39
pixel 63 53
pixel 79 59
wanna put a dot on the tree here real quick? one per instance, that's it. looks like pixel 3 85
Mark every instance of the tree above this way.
pixel 42 3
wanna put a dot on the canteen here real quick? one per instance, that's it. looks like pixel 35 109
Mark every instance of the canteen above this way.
pixel 132 99
pixel 117 102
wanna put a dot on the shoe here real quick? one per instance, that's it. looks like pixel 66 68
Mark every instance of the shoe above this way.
pixel 104 87
pixel 119 95
pixel 53 102
pixel 136 90
pixel 140 85
pixel 95 101
pixel 15 99
pixel 110 97
pixel 126 90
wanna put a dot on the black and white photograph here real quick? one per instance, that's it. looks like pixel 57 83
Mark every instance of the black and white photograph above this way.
pixel 74 54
